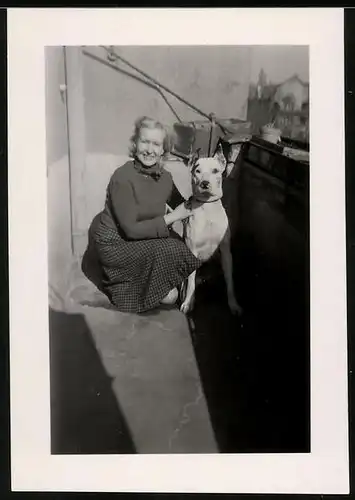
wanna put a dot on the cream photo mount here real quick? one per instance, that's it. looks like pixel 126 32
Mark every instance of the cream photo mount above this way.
pixel 323 471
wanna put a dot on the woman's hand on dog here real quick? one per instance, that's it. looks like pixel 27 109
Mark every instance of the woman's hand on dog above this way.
pixel 181 212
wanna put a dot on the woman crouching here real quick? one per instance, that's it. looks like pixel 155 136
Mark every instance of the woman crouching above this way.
pixel 143 261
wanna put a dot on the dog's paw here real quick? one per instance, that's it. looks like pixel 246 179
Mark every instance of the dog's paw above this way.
pixel 186 307
pixel 234 307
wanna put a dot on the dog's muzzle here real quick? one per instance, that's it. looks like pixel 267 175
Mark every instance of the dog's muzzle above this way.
pixel 204 184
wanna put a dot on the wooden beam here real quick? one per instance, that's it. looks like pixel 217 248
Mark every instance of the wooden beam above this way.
pixel 77 146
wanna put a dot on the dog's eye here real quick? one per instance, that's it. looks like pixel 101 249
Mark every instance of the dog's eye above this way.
pixel 215 171
pixel 197 171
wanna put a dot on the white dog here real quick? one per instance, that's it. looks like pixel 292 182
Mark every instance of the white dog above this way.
pixel 207 229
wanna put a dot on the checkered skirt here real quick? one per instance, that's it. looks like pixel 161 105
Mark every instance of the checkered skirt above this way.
pixel 138 274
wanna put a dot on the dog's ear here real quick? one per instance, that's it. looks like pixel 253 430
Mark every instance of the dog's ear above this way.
pixel 194 159
pixel 219 155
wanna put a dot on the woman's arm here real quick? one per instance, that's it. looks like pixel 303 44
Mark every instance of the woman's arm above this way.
pixel 183 211
pixel 177 208
pixel 125 212
pixel 175 198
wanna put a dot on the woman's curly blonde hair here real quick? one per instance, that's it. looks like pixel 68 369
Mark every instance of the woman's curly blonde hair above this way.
pixel 151 123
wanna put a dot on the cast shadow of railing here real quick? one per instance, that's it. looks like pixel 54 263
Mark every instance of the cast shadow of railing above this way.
pixel 85 415
pixel 216 339
pixel 254 369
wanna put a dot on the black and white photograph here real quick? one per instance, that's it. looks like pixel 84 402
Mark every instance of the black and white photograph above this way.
pixel 179 182
pixel 178 327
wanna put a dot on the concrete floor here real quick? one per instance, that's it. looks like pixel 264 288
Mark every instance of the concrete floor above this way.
pixel 124 382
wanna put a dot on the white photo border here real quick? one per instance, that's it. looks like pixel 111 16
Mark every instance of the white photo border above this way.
pixel 323 471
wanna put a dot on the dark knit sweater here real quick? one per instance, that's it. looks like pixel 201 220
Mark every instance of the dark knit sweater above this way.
pixel 135 202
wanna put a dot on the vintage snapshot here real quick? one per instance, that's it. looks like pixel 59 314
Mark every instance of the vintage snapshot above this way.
pixel 178 189
pixel 168 319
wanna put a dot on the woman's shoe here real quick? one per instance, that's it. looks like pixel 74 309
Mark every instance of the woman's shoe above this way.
pixel 171 298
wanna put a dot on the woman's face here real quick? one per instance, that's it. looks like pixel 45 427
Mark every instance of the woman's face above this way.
pixel 150 146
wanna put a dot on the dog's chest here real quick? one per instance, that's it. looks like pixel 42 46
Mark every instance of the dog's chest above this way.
pixel 205 229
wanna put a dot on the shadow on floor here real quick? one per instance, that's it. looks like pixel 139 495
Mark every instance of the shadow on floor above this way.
pixel 216 338
pixel 255 370
pixel 85 416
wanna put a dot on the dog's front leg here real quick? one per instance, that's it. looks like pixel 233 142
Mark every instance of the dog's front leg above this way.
pixel 187 304
pixel 227 266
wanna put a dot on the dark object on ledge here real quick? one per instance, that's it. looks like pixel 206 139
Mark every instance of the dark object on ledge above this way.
pixel 205 135
pixel 294 143
pixel 271 159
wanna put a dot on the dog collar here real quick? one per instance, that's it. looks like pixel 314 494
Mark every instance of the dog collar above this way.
pixel 206 201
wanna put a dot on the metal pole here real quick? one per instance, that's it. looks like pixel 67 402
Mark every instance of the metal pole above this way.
pixel 77 146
